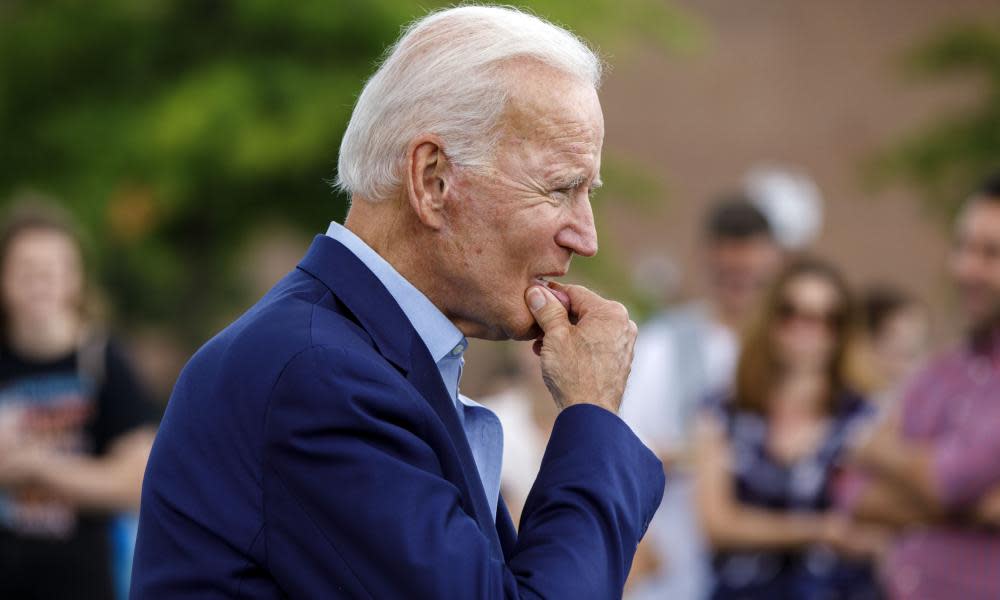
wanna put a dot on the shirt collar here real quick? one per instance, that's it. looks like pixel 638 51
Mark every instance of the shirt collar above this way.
pixel 438 333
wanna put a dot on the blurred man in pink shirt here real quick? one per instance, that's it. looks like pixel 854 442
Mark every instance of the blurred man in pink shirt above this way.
pixel 931 469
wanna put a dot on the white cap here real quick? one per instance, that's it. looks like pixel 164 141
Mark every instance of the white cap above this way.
pixel 790 200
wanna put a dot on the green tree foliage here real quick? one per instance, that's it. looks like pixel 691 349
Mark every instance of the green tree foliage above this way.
pixel 172 128
pixel 948 156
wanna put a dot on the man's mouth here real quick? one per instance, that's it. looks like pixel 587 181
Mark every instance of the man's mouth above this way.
pixel 559 294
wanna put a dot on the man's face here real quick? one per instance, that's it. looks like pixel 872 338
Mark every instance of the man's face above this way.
pixel 975 262
pixel 740 269
pixel 525 217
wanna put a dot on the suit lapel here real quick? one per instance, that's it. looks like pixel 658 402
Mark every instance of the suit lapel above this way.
pixel 378 313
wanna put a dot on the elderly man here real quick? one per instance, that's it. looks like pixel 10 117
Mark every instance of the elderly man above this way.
pixel 319 448
pixel 932 468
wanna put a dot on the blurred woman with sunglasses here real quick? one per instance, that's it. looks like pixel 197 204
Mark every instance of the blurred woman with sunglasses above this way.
pixel 767 453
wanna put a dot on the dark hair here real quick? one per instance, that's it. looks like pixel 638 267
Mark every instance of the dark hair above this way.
pixel 758 368
pixel 881 302
pixel 734 217
pixel 988 191
pixel 989 188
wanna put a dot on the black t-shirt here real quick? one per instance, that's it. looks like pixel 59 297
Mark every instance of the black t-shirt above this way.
pixel 80 403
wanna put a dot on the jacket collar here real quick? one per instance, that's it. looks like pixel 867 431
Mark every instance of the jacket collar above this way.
pixel 438 333
pixel 364 295
pixel 380 316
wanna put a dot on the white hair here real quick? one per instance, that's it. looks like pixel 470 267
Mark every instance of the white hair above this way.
pixel 442 77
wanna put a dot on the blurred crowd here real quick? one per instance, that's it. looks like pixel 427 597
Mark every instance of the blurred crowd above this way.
pixel 815 447
pixel 817 440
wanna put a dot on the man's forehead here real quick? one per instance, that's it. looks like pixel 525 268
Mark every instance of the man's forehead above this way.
pixel 535 119
pixel 548 104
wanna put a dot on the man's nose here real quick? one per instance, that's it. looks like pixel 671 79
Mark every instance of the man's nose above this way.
pixel 580 235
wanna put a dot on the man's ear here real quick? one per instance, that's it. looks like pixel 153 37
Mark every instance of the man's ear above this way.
pixel 428 176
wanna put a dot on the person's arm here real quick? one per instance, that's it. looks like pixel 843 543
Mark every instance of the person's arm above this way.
pixel 356 502
pixel 900 468
pixel 123 432
pixel 105 483
pixel 950 475
pixel 882 501
pixel 729 524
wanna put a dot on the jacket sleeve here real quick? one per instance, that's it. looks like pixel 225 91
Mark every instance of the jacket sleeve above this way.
pixel 356 504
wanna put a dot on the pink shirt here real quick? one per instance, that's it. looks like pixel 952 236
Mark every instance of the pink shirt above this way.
pixel 953 406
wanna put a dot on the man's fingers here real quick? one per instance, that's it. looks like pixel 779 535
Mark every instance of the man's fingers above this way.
pixel 581 299
pixel 547 310
pixel 562 297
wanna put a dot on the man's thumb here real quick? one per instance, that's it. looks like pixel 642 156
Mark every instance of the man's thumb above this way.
pixel 547 310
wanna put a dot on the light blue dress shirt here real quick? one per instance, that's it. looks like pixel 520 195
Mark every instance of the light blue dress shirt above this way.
pixel 447 346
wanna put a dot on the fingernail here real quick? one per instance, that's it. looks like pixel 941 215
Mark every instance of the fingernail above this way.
pixel 536 299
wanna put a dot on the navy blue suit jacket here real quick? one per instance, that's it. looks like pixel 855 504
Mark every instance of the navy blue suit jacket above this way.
pixel 311 450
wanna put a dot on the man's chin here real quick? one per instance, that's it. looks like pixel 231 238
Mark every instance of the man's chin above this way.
pixel 522 327
pixel 530 333
pixel 518 329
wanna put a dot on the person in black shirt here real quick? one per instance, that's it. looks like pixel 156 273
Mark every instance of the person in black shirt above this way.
pixel 75 424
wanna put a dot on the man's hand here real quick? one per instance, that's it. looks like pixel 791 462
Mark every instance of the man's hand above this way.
pixel 586 353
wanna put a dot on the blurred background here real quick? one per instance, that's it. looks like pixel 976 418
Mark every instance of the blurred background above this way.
pixel 194 142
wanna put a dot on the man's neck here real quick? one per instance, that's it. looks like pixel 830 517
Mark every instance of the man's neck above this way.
pixel 382 226
pixel 400 241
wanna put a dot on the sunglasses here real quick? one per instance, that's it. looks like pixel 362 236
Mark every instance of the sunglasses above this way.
pixel 788 311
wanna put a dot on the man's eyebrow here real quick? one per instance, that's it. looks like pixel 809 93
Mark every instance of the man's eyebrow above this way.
pixel 579 180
